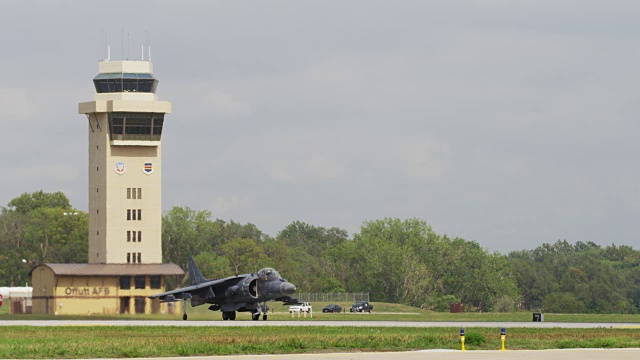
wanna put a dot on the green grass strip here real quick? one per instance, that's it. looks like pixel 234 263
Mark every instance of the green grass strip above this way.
pixel 20 342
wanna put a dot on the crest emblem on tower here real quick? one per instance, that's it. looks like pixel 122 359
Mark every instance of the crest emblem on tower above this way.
pixel 148 168
pixel 120 169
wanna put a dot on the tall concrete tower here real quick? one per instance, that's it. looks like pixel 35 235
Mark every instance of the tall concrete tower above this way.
pixel 125 168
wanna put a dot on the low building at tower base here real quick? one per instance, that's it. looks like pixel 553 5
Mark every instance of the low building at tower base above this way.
pixel 105 289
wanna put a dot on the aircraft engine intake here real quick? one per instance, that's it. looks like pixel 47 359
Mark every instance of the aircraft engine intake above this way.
pixel 250 288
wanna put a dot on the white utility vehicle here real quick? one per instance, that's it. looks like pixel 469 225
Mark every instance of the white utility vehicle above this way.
pixel 300 307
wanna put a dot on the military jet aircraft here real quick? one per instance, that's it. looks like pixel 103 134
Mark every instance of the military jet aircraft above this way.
pixel 241 293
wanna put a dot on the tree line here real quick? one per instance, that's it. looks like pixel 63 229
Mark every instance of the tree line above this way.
pixel 395 260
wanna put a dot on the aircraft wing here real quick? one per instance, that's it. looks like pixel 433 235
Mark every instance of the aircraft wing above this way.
pixel 205 288
pixel 174 295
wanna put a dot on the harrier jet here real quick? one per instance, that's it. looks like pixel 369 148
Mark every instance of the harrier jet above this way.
pixel 242 293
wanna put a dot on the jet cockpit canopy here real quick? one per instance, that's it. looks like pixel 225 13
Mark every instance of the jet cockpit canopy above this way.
pixel 268 274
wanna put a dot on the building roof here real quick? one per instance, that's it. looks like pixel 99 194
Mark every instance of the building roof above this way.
pixel 113 269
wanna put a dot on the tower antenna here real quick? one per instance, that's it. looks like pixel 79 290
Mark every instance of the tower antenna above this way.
pixel 144 44
pixel 106 47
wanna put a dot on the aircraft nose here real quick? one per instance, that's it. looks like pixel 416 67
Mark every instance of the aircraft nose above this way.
pixel 287 288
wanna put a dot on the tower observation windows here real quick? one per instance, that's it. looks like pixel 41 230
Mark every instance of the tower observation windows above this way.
pixel 157 125
pixel 125 82
pixel 136 126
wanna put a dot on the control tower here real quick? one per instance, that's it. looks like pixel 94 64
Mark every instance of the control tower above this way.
pixel 125 167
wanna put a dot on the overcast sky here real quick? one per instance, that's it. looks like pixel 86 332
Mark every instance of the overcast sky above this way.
pixel 511 123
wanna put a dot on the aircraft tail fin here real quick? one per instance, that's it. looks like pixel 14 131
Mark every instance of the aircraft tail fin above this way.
pixel 195 276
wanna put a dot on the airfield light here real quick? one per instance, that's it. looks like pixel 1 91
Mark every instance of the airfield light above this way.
pixel 462 338
pixel 503 337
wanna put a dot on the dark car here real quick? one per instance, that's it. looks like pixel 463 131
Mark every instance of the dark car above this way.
pixel 331 308
pixel 361 306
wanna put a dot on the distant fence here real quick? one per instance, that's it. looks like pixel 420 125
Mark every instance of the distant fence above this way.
pixel 332 297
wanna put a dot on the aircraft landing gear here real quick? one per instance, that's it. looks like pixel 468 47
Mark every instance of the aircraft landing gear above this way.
pixel 256 316
pixel 260 310
pixel 184 309
pixel 228 315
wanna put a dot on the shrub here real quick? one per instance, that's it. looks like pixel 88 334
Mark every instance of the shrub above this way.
pixel 442 303
pixel 475 338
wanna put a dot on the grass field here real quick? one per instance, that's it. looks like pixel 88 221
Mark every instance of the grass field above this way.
pixel 119 342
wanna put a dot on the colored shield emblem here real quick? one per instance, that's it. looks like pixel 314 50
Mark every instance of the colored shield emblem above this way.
pixel 120 169
pixel 148 168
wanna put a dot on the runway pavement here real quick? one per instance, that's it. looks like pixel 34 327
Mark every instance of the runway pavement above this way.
pixel 566 354
pixel 242 323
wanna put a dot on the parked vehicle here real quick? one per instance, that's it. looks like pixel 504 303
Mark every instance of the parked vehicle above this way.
pixel 361 306
pixel 331 308
pixel 300 307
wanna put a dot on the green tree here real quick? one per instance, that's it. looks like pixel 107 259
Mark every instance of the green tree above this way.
pixel 244 255
pixel 234 230
pixel 281 257
pixel 533 278
pixel 33 229
pixel 314 239
pixel 563 302
pixel 392 257
pixel 186 232
pixel 26 202
pixel 587 277
pixel 345 263
pixel 213 266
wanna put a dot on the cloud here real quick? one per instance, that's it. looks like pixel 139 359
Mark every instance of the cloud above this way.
pixel 14 104
pixel 53 173
pixel 230 205
pixel 224 104
pixel 426 161
pixel 280 172
pixel 202 102
pixel 323 157
pixel 323 167
pixel 320 167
